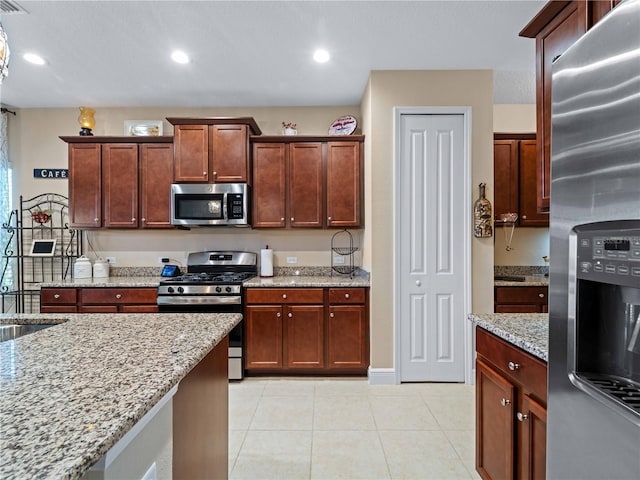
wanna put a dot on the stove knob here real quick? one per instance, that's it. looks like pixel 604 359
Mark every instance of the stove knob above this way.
pixel 180 290
pixel 228 289
pixel 218 289
pixel 170 290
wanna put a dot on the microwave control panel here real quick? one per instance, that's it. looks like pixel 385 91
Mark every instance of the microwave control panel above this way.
pixel 609 256
pixel 235 206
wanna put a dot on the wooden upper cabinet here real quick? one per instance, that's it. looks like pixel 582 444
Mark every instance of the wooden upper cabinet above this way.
pixel 506 176
pixel 85 197
pixel 598 9
pixel 528 198
pixel 191 153
pixel 213 150
pixel 120 185
pixel 305 185
pixel 156 162
pixel 228 153
pixel 344 184
pixel 269 187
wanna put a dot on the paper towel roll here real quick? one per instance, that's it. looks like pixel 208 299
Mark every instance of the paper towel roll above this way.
pixel 266 262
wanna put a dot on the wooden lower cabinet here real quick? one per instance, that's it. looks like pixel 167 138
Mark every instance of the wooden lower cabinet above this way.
pixel 510 410
pixel 301 330
pixel 521 299
pixel 99 300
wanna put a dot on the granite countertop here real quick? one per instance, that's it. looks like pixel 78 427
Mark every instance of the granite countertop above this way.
pixel 529 331
pixel 307 281
pixel 529 281
pixel 129 282
pixel 277 281
pixel 68 393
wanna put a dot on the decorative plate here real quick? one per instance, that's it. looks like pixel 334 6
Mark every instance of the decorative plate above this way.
pixel 343 126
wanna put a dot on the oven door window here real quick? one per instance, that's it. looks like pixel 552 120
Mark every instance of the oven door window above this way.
pixel 200 207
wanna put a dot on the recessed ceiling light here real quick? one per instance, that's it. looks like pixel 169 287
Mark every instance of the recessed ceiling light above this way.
pixel 321 55
pixel 33 58
pixel 180 57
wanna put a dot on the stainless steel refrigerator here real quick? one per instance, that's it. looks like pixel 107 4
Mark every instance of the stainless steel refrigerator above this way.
pixel 593 417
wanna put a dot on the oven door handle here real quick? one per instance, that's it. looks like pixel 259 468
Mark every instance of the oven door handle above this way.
pixel 200 300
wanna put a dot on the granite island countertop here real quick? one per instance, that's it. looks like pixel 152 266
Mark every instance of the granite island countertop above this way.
pixel 68 393
pixel 528 331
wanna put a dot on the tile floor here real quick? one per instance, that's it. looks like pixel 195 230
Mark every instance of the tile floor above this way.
pixel 290 429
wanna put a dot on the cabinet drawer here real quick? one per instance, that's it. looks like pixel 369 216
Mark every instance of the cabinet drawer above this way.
pixel 521 294
pixel 119 295
pixel 58 296
pixel 58 309
pixel 529 372
pixel 284 296
pixel 346 295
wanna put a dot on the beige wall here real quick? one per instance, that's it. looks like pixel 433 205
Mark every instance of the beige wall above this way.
pixel 529 244
pixel 34 143
pixel 389 89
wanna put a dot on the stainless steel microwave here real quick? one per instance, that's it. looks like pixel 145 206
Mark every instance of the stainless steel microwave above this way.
pixel 201 204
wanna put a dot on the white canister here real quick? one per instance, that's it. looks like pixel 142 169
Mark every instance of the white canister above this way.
pixel 100 268
pixel 82 267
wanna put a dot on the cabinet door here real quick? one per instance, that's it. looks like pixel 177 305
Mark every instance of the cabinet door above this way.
pixel 533 439
pixel 191 153
pixel 263 339
pixel 598 9
pixel 344 184
pixel 495 397
pixel 305 199
pixel 505 177
pixel 347 337
pixel 120 185
pixel 529 215
pixel 305 339
pixel 156 161
pixel 269 185
pixel 229 153
pixel 553 41
pixel 85 189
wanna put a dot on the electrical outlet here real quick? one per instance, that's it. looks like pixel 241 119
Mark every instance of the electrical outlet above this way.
pixel 339 259
pixel 292 259
pixel 111 260
pixel 163 259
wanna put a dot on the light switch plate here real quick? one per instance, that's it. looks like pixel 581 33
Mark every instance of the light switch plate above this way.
pixel 292 259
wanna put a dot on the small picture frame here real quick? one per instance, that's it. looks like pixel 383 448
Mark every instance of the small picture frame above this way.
pixel 143 128
pixel 43 248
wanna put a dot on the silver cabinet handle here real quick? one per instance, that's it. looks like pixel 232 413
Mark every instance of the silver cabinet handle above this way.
pixel 118 296
pixel 346 295
pixel 329 218
pixel 332 315
pixel 541 295
pixel 204 174
pixel 133 219
pixel 513 366
pixel 95 220
pixel 56 295
pixel 284 295
pixel 278 315
pixel 215 173
pixel 143 219
pixel 524 217
pixel 418 283
pixel 282 219
pixel 290 315
pixel 521 416
pixel 292 219
pixel 505 401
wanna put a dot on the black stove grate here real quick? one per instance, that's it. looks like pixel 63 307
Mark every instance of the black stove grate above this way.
pixel 618 389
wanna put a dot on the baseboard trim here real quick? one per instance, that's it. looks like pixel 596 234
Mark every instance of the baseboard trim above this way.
pixel 382 376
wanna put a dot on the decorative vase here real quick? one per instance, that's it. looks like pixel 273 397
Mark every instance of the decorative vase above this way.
pixel 86 121
pixel 482 215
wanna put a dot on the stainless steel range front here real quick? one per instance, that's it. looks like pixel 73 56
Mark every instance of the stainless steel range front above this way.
pixel 213 283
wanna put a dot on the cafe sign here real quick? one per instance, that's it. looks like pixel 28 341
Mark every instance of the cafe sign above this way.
pixel 51 173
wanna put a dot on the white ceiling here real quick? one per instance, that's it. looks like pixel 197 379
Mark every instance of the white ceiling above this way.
pixel 255 53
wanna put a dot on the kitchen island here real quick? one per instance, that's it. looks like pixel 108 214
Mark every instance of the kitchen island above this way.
pixel 70 393
pixel 511 394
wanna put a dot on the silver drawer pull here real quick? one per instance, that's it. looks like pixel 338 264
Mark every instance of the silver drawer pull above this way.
pixel 278 315
pixel 284 295
pixel 541 295
pixel 57 295
pixel 513 366
pixel 118 296
pixel 505 401
pixel 332 315
pixel 522 416
pixel 346 295
pixel 290 315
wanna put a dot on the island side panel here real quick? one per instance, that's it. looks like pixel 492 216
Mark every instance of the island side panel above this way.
pixel 201 420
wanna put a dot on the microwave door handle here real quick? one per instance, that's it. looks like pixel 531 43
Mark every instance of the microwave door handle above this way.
pixel 224 206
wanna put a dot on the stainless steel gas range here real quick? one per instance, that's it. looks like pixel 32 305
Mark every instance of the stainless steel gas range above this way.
pixel 213 283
